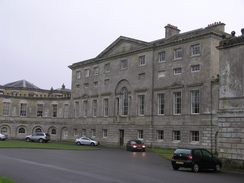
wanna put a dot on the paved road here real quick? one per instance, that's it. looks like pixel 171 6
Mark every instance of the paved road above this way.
pixel 99 166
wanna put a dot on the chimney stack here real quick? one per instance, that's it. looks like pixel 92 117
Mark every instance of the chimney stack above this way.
pixel 171 30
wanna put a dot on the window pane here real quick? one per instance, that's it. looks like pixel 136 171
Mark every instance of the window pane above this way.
pixel 195 49
pixel 178 53
pixel 141 103
pixel 161 103
pixel 162 56
pixel 105 106
pixel 177 103
pixel 23 108
pixel 6 108
pixel 125 101
pixel 195 102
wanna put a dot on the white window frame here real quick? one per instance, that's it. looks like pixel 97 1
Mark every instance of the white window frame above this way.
pixel 66 110
pixel 105 133
pixel 176 135
pixel 195 49
pixel 85 108
pixel 177 71
pixel 78 74
pixel 87 73
pixel 160 135
pixel 195 68
pixel 141 105
pixel 161 56
pixel 39 110
pixel 140 134
pixel 195 136
pixel 105 107
pixel 142 60
pixel 178 53
pixel 177 103
pixel 161 103
pixel 93 132
pixel 6 108
pixel 195 102
pixel 23 109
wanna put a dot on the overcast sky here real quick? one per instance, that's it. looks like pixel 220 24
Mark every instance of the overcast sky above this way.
pixel 39 39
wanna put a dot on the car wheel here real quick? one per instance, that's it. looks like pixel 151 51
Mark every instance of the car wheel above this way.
pixel 175 167
pixel 195 167
pixel 27 140
pixel 41 140
pixel 78 143
pixel 92 144
pixel 217 168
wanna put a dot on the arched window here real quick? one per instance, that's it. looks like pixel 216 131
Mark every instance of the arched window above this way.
pixel 38 130
pixel 4 130
pixel 124 101
pixel 21 130
pixel 53 131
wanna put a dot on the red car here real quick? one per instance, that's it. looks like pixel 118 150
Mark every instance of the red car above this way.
pixel 135 145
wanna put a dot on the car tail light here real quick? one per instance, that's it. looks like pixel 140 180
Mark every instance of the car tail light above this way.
pixel 173 156
pixel 189 157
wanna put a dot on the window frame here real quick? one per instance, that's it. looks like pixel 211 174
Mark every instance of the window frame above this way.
pixel 105 107
pixel 140 134
pixel 39 110
pixel 141 105
pixel 195 50
pixel 142 60
pixel 162 56
pixel 6 108
pixel 107 68
pixel 195 102
pixel 195 136
pixel 94 108
pixel 194 69
pixel 177 71
pixel 178 53
pixel 177 103
pixel 161 103
pixel 23 109
pixel 124 64
pixel 176 135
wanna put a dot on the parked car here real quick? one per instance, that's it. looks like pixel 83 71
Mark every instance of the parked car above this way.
pixel 133 145
pixel 196 159
pixel 39 137
pixel 86 141
pixel 3 137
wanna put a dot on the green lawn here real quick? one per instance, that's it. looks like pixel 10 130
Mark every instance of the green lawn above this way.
pixel 36 145
pixel 166 153
pixel 6 180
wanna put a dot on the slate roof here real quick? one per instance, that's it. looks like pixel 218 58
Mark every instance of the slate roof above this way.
pixel 21 84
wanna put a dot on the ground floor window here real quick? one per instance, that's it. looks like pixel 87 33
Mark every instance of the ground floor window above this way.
pixel 140 134
pixel 93 132
pixel 105 133
pixel 176 135
pixel 195 136
pixel 160 134
pixel 21 130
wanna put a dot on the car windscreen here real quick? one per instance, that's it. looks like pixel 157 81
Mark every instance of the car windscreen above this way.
pixel 183 151
pixel 136 142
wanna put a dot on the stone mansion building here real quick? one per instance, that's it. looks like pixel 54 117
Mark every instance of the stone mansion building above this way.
pixel 178 91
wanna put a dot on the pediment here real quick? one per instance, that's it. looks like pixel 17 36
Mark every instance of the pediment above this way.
pixel 123 45
pixel 176 85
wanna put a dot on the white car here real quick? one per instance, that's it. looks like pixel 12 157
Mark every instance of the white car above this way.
pixel 86 141
pixel 3 137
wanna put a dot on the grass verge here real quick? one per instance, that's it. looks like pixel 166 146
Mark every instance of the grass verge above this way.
pixel 166 153
pixel 36 145
pixel 6 180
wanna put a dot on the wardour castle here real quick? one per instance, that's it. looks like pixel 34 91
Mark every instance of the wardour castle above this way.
pixel 183 90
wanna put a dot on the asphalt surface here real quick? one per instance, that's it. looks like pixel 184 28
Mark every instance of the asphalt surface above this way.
pixel 110 165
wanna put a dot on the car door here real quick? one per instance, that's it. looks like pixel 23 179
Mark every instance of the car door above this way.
pixel 85 141
pixel 34 137
pixel 208 159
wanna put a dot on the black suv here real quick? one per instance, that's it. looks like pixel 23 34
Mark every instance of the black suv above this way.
pixel 196 159
pixel 40 137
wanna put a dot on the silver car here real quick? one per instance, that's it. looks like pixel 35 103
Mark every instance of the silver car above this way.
pixel 3 137
pixel 86 141
pixel 39 137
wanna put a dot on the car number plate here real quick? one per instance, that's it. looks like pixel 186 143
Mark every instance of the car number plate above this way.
pixel 139 148
pixel 177 162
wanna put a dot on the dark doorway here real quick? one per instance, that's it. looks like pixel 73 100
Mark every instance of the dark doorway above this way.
pixel 121 137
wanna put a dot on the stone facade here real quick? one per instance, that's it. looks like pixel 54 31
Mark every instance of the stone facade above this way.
pixel 175 78
pixel 231 101
pixel 164 92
